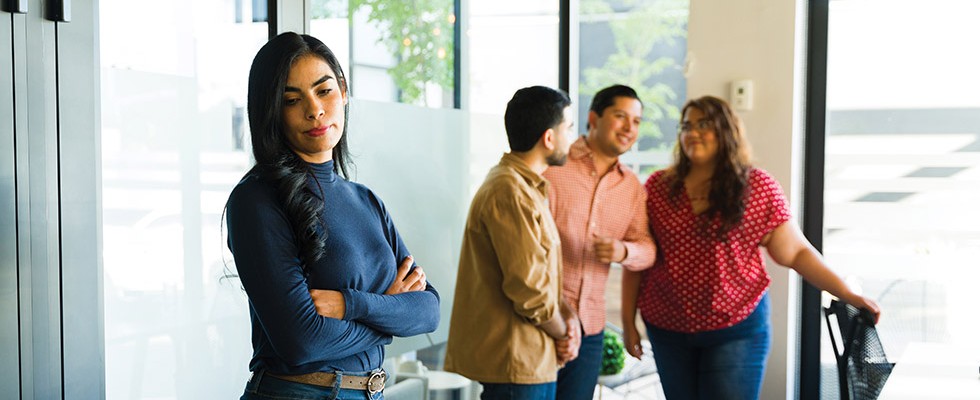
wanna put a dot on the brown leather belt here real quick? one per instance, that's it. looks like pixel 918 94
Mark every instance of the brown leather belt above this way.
pixel 373 383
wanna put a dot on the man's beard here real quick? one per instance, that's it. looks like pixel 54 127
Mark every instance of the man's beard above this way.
pixel 557 159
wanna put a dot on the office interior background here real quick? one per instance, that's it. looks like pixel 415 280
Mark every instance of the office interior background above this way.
pixel 123 129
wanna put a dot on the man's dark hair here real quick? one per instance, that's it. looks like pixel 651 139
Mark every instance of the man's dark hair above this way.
pixel 606 97
pixel 532 111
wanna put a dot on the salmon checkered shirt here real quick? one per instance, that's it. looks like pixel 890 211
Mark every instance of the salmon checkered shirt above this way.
pixel 584 202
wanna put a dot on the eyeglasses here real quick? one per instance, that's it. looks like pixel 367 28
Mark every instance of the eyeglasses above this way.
pixel 702 125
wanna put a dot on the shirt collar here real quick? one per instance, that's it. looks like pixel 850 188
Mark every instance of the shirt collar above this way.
pixel 580 150
pixel 532 178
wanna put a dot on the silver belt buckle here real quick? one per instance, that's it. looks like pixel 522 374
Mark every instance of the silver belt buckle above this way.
pixel 377 379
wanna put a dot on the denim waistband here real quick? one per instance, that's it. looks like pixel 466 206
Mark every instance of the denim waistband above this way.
pixel 755 323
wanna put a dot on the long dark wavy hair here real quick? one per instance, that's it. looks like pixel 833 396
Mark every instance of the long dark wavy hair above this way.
pixel 730 180
pixel 274 158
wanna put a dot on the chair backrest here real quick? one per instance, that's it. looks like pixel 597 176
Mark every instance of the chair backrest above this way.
pixel 862 366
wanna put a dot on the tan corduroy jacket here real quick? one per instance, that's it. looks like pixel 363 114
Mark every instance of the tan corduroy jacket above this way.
pixel 509 281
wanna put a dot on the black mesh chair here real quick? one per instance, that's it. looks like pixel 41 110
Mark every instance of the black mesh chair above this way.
pixel 862 366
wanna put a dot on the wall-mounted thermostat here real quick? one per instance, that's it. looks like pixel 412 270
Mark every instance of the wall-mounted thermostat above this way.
pixel 741 96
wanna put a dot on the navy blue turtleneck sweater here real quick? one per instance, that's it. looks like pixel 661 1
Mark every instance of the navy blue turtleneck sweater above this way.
pixel 363 251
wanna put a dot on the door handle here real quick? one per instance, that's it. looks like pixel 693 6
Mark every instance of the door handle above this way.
pixel 58 10
pixel 15 6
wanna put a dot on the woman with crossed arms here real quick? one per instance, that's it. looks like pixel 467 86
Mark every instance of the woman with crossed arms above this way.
pixel 328 278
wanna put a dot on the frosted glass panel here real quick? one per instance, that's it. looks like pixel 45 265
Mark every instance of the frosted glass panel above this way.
pixel 423 163
pixel 173 146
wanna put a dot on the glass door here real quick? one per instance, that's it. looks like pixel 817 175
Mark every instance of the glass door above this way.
pixel 902 168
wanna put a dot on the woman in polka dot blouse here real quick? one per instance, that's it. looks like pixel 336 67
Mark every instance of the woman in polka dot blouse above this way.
pixel 705 301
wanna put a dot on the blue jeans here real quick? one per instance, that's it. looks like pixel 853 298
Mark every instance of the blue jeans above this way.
pixel 723 364
pixel 262 387
pixel 514 391
pixel 577 380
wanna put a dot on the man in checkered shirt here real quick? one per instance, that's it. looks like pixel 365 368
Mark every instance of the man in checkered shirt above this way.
pixel 599 207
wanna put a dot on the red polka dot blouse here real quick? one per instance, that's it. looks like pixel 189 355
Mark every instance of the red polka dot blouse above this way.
pixel 700 283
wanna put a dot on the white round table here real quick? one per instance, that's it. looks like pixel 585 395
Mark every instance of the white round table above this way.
pixel 448 386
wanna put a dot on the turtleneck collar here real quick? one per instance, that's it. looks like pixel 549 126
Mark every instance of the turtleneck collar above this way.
pixel 323 172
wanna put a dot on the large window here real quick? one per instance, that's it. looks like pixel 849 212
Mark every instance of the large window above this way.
pixel 902 168
pixel 512 44
pixel 174 143
pixel 641 44
pixel 394 51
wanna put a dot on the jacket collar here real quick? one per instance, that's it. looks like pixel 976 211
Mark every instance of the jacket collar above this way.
pixel 532 178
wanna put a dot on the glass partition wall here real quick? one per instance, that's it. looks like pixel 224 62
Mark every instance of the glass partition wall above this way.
pixel 174 144
pixel 901 169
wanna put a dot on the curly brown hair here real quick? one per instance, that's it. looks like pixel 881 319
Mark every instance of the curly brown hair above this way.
pixel 729 181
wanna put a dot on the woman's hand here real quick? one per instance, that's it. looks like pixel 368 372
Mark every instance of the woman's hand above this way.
pixel 329 303
pixel 631 340
pixel 865 303
pixel 405 281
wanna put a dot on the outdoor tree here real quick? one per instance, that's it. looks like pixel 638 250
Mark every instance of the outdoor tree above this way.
pixel 635 33
pixel 419 33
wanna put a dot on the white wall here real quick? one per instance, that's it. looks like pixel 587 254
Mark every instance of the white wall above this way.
pixel 756 39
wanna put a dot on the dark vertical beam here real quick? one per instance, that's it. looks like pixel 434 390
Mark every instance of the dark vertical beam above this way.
pixel 564 43
pixel 813 190
pixel 351 50
pixel 457 55
pixel 272 17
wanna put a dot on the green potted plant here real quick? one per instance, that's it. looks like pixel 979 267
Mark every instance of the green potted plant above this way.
pixel 613 354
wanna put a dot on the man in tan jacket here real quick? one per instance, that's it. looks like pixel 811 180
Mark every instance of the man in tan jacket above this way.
pixel 509 328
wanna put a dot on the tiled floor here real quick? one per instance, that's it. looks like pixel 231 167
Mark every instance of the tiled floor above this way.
pixel 645 388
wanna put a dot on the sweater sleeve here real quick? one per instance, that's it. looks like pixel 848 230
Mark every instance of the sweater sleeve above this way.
pixel 405 314
pixel 265 255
